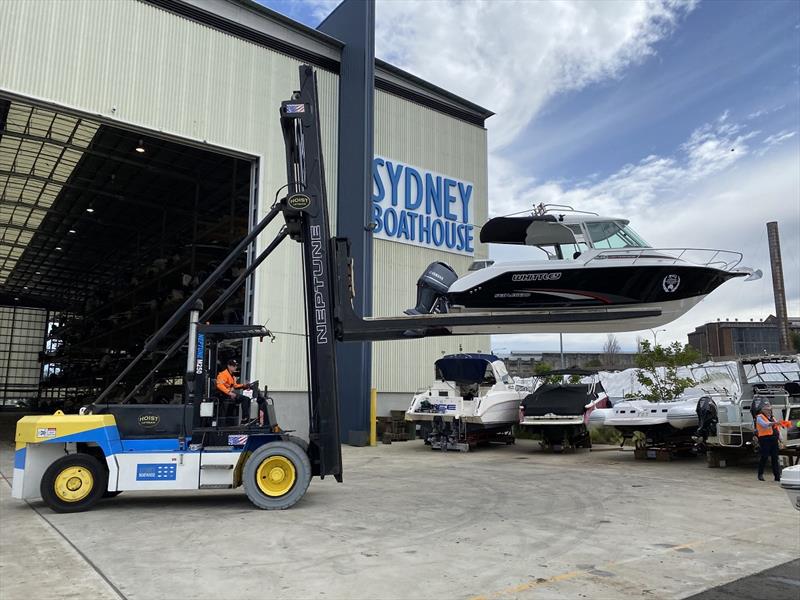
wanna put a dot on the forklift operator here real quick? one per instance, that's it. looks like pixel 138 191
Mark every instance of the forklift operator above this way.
pixel 227 384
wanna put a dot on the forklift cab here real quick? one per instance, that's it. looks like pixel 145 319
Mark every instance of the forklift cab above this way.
pixel 202 406
pixel 211 407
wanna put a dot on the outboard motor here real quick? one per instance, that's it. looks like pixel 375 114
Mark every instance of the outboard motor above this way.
pixel 432 289
pixel 706 417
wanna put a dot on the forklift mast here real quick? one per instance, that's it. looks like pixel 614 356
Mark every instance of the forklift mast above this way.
pixel 305 209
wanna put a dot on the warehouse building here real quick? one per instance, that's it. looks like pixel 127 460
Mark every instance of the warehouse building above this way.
pixel 139 139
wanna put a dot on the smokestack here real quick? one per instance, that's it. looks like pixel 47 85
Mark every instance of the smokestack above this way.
pixel 777 285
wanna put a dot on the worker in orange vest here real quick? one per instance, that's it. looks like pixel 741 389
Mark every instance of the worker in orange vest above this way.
pixel 767 430
pixel 228 384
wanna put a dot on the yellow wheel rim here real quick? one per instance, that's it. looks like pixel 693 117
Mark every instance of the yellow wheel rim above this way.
pixel 276 475
pixel 73 484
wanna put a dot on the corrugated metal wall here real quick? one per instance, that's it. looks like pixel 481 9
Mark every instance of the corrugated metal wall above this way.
pixel 130 62
pixel 416 135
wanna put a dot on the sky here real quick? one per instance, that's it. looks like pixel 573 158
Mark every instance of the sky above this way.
pixel 683 117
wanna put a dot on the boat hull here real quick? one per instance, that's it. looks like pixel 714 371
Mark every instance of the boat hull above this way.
pixel 495 410
pixel 572 285
pixel 599 319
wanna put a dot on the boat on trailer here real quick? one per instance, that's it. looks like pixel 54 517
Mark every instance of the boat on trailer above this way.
pixel 472 400
pixel 560 410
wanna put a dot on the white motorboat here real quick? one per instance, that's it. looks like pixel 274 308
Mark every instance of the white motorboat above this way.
pixel 596 275
pixel 673 423
pixel 559 411
pixel 472 398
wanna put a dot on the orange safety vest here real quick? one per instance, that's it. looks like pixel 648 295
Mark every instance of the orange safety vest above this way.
pixel 227 382
pixel 765 430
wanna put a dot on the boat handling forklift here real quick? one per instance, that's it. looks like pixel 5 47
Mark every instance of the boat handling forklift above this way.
pixel 72 461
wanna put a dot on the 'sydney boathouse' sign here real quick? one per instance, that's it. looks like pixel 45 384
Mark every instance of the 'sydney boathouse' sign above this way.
pixel 423 208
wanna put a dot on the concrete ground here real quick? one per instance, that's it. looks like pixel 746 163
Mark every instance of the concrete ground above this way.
pixel 408 522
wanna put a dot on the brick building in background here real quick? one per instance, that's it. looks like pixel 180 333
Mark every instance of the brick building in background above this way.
pixel 737 338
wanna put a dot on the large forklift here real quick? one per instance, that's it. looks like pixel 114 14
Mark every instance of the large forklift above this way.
pixel 72 461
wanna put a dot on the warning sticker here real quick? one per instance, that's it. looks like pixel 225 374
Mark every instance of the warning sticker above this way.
pixel 45 432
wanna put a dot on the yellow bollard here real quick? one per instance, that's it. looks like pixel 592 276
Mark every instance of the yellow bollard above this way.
pixel 373 417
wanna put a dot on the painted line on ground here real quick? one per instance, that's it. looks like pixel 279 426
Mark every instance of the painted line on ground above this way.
pixel 88 561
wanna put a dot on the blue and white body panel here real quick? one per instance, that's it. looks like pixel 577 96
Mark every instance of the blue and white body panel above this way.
pixel 133 464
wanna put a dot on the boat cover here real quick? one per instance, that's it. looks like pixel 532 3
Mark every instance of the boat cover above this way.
pixel 558 399
pixel 533 231
pixel 464 368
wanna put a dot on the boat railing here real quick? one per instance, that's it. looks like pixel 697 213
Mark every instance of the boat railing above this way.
pixel 724 260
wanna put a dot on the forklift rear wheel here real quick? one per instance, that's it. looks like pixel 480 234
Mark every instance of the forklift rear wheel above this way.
pixel 276 475
pixel 73 483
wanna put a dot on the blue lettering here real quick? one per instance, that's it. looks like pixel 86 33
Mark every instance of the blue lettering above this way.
pixel 465 194
pixel 412 173
pixel 412 226
pixel 402 229
pixel 437 232
pixel 377 181
pixel 460 244
pixel 390 231
pixel 433 194
pixel 449 199
pixel 425 229
pixel 394 178
pixel 450 235
pixel 468 242
pixel 376 217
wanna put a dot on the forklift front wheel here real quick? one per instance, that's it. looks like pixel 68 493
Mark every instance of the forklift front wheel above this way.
pixel 276 475
pixel 73 483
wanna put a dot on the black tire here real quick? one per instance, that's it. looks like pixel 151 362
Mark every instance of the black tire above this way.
pixel 283 452
pixel 94 484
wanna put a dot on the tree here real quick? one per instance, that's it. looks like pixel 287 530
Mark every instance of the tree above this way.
pixel 610 350
pixel 658 370
pixel 541 369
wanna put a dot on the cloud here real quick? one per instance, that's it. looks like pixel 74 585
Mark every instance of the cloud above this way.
pixel 710 149
pixel 775 139
pixel 515 58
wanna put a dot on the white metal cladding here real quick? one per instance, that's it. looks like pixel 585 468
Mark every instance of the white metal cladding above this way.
pixel 416 135
pixel 136 64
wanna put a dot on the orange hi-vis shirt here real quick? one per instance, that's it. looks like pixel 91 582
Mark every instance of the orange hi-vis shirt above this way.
pixel 227 382
pixel 765 427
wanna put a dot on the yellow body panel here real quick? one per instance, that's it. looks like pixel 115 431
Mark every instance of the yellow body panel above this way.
pixel 34 430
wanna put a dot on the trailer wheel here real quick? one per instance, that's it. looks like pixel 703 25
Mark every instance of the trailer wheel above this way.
pixel 73 483
pixel 276 475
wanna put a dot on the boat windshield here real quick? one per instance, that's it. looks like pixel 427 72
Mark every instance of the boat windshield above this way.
pixel 614 234
pixel 502 373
